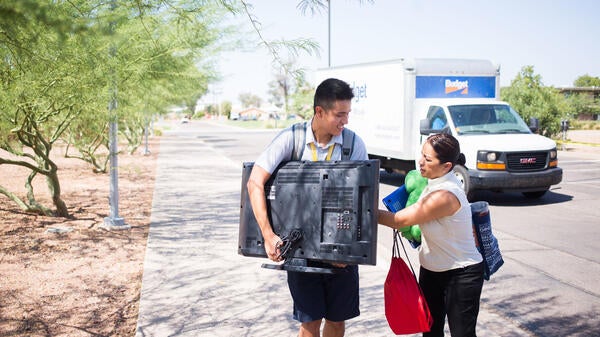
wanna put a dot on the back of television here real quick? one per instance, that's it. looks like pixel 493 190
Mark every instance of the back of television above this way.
pixel 324 211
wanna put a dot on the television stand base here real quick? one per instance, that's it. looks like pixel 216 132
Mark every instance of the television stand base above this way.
pixel 299 265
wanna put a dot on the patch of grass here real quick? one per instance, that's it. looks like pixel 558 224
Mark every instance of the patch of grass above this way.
pixel 568 141
pixel 585 125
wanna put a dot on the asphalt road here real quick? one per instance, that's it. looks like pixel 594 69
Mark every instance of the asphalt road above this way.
pixel 550 283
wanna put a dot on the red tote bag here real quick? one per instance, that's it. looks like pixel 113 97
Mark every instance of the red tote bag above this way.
pixel 405 307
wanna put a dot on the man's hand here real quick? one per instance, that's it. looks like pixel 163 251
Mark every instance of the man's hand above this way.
pixel 272 247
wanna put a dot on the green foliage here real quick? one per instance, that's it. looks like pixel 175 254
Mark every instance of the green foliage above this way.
pixel 292 92
pixel 226 108
pixel 584 125
pixel 302 98
pixel 38 101
pixel 62 62
pixel 278 91
pixel 318 6
pixel 581 103
pixel 283 49
pixel 531 98
pixel 587 81
pixel 249 100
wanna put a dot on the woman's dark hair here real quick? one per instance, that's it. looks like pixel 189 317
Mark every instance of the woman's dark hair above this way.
pixel 447 148
pixel 332 90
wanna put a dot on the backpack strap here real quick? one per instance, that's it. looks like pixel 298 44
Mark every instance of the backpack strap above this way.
pixel 299 136
pixel 347 143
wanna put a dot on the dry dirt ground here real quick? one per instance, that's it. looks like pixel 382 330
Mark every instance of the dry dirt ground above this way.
pixel 85 282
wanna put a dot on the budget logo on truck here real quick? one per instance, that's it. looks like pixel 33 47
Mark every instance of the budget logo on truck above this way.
pixel 359 90
pixel 455 87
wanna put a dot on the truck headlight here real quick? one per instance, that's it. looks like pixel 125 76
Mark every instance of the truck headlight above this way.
pixel 487 156
pixel 553 162
pixel 489 160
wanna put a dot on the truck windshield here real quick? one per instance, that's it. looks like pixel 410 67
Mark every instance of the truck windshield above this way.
pixel 487 118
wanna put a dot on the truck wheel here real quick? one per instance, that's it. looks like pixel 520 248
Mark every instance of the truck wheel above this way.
pixel 534 194
pixel 463 176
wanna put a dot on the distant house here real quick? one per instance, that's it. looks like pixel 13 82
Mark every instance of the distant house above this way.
pixel 257 114
pixel 273 111
pixel 592 92
pixel 251 114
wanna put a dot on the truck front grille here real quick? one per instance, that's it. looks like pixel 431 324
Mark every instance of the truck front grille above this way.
pixel 527 161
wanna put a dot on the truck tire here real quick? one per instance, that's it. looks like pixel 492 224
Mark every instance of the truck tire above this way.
pixel 534 194
pixel 463 176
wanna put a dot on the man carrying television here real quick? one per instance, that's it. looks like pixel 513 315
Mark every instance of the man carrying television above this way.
pixel 317 297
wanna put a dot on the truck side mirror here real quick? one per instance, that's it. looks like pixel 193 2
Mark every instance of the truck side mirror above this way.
pixel 425 127
pixel 534 124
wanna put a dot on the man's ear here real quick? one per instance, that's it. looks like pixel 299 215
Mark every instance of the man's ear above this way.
pixel 319 111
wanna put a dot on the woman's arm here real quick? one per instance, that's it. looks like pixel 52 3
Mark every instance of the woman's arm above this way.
pixel 436 205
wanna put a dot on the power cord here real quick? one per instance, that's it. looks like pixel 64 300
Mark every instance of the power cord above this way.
pixel 287 242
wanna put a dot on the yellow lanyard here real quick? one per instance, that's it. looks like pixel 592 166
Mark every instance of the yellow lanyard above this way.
pixel 314 152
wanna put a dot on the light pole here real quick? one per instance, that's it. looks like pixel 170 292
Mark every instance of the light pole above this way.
pixel 216 92
pixel 329 33
pixel 146 150
pixel 113 221
pixel 146 125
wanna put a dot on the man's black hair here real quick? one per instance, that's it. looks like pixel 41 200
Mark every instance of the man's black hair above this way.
pixel 330 91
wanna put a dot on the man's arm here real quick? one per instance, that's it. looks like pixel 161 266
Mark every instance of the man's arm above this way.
pixel 256 192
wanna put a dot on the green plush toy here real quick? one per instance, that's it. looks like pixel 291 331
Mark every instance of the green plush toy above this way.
pixel 414 183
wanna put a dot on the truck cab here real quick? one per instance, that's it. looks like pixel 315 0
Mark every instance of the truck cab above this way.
pixel 398 103
pixel 502 152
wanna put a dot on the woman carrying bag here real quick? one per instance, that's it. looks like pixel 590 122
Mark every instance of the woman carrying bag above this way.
pixel 451 274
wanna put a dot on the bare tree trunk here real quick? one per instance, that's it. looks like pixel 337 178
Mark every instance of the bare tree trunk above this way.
pixel 22 205
pixel 32 205
pixel 54 187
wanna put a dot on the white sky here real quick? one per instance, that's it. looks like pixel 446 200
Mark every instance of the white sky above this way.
pixel 560 38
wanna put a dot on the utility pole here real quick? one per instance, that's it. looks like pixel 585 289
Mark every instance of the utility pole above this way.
pixel 329 33
pixel 113 221
pixel 146 150
pixel 146 124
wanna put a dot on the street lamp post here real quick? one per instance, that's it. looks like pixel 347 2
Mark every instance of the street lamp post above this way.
pixel 147 122
pixel 329 33
pixel 113 221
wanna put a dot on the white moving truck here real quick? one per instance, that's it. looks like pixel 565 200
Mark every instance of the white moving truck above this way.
pixel 399 103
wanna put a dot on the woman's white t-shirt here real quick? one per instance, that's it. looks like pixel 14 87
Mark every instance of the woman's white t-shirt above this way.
pixel 448 242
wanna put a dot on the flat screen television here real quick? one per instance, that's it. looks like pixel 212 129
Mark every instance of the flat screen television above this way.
pixel 333 204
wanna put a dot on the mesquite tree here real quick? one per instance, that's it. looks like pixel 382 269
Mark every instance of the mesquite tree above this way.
pixel 57 76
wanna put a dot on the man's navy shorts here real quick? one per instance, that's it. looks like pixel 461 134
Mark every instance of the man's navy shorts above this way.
pixel 330 296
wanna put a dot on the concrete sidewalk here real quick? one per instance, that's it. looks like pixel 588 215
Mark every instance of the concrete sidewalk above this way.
pixel 584 136
pixel 585 142
pixel 195 283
